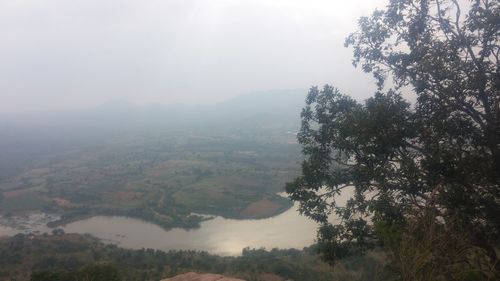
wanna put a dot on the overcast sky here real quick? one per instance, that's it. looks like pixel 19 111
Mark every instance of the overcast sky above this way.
pixel 61 54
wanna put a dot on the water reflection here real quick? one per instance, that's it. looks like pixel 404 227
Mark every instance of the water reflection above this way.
pixel 218 236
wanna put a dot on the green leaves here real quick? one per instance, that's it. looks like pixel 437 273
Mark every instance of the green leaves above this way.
pixel 442 152
pixel 349 144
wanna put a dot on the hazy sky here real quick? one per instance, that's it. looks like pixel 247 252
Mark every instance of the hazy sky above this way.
pixel 65 54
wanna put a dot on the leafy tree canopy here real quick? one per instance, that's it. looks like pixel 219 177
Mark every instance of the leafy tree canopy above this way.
pixel 441 153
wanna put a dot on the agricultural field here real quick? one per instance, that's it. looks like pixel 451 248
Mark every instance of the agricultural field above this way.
pixel 164 164
pixel 163 180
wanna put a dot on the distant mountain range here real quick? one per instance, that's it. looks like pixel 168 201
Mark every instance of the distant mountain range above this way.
pixel 276 108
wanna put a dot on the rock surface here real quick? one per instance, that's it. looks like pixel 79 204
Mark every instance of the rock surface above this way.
pixel 191 276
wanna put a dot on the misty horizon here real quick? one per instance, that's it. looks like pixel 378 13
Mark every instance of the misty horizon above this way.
pixel 65 56
pixel 124 104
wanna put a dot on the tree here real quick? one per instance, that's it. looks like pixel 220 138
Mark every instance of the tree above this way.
pixel 99 272
pixel 438 157
pixel 94 272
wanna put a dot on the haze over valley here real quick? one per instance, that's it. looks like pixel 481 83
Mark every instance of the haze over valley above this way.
pixel 249 140
pixel 156 163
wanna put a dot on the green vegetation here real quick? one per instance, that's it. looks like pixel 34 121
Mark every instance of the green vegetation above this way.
pixel 161 181
pixel 425 177
pixel 72 256
pixel 26 201
pixel 159 163
pixel 425 174
pixel 94 272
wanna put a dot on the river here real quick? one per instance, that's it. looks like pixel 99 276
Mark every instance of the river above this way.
pixel 221 236
pixel 218 236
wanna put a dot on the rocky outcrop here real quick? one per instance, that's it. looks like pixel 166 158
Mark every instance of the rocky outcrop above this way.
pixel 191 276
